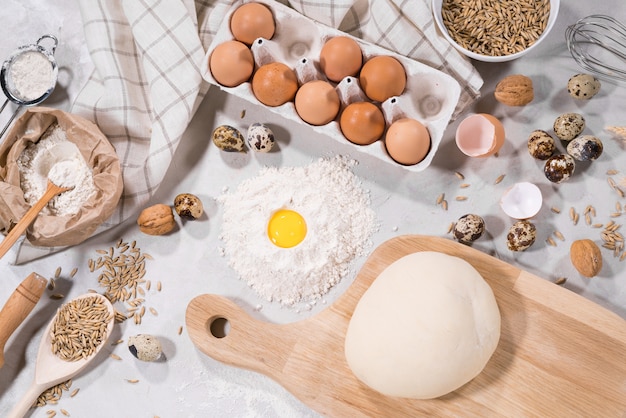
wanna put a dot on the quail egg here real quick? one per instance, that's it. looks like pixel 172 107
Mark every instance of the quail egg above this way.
pixel 559 168
pixel 188 205
pixel 541 144
pixel 145 347
pixel 228 139
pixel 583 86
pixel 468 228
pixel 521 236
pixel 569 125
pixel 260 138
pixel 585 148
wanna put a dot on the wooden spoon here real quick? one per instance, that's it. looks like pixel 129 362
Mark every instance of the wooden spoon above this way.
pixel 51 191
pixel 51 370
pixel 18 306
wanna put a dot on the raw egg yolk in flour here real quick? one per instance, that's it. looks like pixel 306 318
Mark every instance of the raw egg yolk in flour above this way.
pixel 286 228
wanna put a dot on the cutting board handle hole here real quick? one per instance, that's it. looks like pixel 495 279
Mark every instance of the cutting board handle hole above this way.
pixel 219 327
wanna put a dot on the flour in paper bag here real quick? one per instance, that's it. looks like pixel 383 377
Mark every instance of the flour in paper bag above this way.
pixel 36 166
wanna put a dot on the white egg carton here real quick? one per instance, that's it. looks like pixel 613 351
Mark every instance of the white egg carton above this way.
pixel 430 95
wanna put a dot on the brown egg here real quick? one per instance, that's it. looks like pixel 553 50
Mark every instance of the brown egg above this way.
pixel 362 123
pixel 251 21
pixel 382 77
pixel 317 102
pixel 407 141
pixel 231 63
pixel 340 57
pixel 274 84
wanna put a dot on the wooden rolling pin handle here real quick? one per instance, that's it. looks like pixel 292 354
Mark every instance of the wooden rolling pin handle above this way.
pixel 243 341
pixel 18 306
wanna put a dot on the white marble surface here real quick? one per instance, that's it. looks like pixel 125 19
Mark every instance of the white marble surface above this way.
pixel 188 263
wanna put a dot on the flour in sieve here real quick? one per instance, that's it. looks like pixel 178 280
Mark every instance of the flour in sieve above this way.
pixel 38 162
pixel 339 221
pixel 31 74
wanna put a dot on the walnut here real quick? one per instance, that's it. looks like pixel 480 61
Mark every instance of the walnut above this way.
pixel 586 257
pixel 515 90
pixel 156 220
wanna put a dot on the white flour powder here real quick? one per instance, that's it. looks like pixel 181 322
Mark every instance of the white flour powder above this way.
pixel 339 226
pixel 31 74
pixel 38 162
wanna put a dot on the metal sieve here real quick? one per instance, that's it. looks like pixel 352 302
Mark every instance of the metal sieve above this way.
pixel 9 84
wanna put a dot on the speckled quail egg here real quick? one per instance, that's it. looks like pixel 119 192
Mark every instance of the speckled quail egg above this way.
pixel 145 347
pixel 569 125
pixel 559 168
pixel 541 144
pixel 468 228
pixel 585 148
pixel 583 86
pixel 521 236
pixel 229 139
pixel 260 138
pixel 188 205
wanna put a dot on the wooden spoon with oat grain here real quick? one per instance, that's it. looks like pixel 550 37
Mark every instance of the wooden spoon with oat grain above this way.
pixel 53 368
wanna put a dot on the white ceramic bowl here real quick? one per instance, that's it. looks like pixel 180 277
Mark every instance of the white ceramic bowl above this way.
pixel 436 7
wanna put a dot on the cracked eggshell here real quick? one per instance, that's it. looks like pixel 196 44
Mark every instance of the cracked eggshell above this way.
pixel 568 126
pixel 430 96
pixel 480 135
pixel 583 86
pixel 521 201
pixel 585 148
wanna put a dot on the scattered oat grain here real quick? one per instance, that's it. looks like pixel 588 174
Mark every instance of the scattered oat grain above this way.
pixel 499 179
pixel 555 209
pixel 115 356
pixel 459 175
pixel 74 392
pixel 440 198
pixel 559 235
pixel 64 412
pixel 460 198
pixel 550 241
pixel 180 330
pixel 560 280
pixel 132 380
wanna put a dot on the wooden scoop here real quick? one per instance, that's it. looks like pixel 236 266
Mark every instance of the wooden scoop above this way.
pixel 559 354
pixel 51 191
pixel 18 306
pixel 51 370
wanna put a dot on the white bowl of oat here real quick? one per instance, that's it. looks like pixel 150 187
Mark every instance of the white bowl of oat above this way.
pixel 495 30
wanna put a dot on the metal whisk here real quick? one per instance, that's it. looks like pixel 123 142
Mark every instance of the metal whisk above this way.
pixel 598 44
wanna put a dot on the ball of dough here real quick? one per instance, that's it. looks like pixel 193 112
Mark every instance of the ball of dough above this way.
pixel 426 326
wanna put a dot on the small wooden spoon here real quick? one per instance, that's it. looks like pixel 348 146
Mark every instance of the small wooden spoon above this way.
pixel 51 191
pixel 51 370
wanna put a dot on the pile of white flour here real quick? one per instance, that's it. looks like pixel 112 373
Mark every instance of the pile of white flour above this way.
pixel 38 162
pixel 339 222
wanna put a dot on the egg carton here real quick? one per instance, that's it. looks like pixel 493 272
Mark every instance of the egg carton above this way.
pixel 430 95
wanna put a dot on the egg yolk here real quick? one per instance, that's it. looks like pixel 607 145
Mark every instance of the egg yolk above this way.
pixel 286 228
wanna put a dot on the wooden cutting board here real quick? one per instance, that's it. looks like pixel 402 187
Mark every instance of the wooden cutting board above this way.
pixel 559 353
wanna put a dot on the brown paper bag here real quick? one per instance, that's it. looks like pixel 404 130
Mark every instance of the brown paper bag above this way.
pixel 63 230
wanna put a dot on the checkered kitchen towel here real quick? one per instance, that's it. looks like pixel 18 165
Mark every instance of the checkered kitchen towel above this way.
pixel 147 81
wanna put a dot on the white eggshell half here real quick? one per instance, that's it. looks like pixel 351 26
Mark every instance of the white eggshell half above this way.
pixel 521 201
